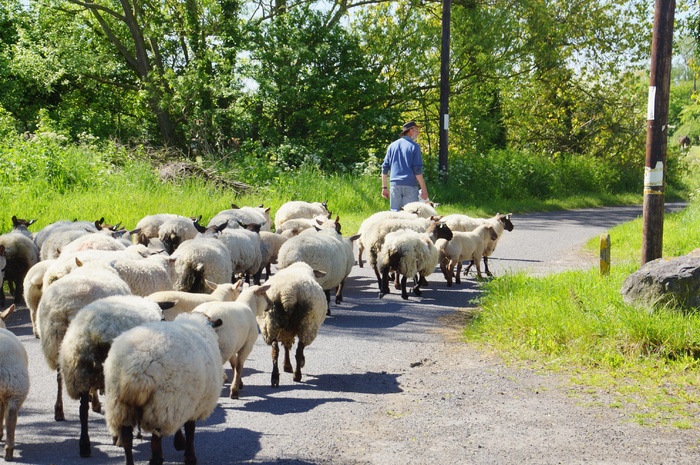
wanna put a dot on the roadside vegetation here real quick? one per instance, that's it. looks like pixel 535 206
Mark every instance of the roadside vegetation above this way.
pixel 576 323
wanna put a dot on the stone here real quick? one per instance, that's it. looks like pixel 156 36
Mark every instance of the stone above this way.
pixel 664 281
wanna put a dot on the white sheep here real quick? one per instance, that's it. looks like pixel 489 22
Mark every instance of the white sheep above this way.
pixel 20 254
pixel 421 209
pixel 187 301
pixel 44 233
pixel 499 222
pixel 161 376
pixel 270 244
pixel 299 310
pixel 14 382
pixel 300 209
pixel 325 250
pixel 198 260
pixel 59 303
pixel 86 344
pixel 33 285
pixel 463 246
pixel 295 226
pixel 176 230
pixel 407 253
pixel 148 227
pixel 377 231
pixel 52 238
pixel 92 242
pixel 372 219
pixel 239 331
pixel 245 252
pixel 258 216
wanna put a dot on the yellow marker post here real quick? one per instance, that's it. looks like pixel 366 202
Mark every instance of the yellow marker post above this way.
pixel 604 254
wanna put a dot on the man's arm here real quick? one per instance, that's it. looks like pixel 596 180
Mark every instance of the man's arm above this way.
pixel 421 183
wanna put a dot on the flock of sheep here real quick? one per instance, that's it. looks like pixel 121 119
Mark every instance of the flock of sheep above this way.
pixel 149 317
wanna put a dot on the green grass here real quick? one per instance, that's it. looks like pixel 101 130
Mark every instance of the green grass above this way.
pixel 576 323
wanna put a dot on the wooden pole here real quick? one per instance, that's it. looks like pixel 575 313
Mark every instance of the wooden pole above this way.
pixel 444 88
pixel 657 130
pixel 604 254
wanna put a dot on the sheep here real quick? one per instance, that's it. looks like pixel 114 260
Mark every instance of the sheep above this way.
pixel 61 301
pixel 407 253
pixel 149 226
pixel 33 285
pixel 176 230
pixel 300 209
pixel 200 259
pixel 86 344
pixel 421 209
pixel 247 215
pixel 187 301
pixel 270 244
pixel 20 254
pixel 298 311
pixel 245 252
pixel 377 231
pixel 325 250
pixel 52 238
pixel 92 242
pixel 161 376
pixel 294 226
pixel 22 226
pixel 463 246
pixel 239 331
pixel 499 222
pixel 14 382
pixel 372 219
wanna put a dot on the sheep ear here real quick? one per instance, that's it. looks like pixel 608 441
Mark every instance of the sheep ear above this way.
pixel 355 237
pixel 7 313
pixel 319 273
pixel 78 262
pixel 167 305
pixel 262 289
pixel 216 323
pixel 210 285
pixel 238 284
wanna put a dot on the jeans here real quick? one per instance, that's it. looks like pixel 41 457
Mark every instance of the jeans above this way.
pixel 401 195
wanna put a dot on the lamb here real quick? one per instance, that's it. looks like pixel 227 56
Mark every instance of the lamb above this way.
pixel 20 254
pixel 421 209
pixel 61 301
pixel 188 301
pixel 464 246
pixel 406 253
pixel 200 259
pixel 372 219
pixel 295 226
pixel 299 310
pixel 325 250
pixel 33 285
pixel 86 344
pixel 14 382
pixel 161 376
pixel 239 331
pixel 247 215
pixel 499 222
pixel 300 209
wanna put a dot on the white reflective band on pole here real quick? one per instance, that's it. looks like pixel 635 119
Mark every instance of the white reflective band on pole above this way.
pixel 446 119
pixel 650 103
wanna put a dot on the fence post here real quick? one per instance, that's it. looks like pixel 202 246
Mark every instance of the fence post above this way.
pixel 604 254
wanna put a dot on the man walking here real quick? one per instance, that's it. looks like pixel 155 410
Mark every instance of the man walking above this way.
pixel 404 161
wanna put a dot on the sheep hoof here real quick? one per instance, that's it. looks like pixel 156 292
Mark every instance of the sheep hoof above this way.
pixel 404 296
pixel 417 292
pixel 275 382
pixel 297 377
pixel 9 454
pixel 233 394
pixel 381 294
pixel 328 312
pixel 58 415
pixel 85 449
pixel 179 440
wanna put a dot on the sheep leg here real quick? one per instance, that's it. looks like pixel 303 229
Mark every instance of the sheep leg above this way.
pixel 466 271
pixel 268 271
pixel 360 250
pixel 179 440
pixel 449 273
pixel 458 279
pixel 301 361
pixel 58 407
pixel 190 457
pixel 275 368
pixel 404 293
pixel 287 360
pixel 384 283
pixel 11 424
pixel 327 292
pixel 126 437
pixel 95 400
pixel 486 266
pixel 339 293
pixel 84 408
pixel 397 282
pixel 2 418
pixel 416 283
pixel 236 381
pixel 156 450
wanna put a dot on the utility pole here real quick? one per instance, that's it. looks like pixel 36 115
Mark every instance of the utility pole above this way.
pixel 657 130
pixel 444 88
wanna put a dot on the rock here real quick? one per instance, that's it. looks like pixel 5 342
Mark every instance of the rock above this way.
pixel 663 281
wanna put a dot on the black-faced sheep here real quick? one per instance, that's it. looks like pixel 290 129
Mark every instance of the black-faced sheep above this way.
pixel 300 209
pixel 298 311
pixel 246 215
pixel 188 301
pixel 371 220
pixel 20 254
pixel 201 259
pixel 161 376
pixel 463 246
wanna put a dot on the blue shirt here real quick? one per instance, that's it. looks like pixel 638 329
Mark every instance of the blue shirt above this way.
pixel 404 160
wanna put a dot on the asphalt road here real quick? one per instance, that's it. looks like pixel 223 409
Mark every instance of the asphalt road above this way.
pixel 362 357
